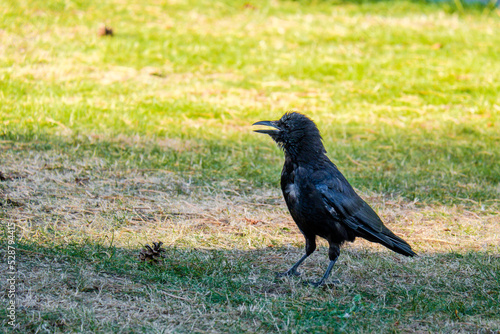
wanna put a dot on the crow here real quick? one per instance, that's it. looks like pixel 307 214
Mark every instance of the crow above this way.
pixel 321 201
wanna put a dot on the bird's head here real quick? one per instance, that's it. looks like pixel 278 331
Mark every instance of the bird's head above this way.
pixel 296 134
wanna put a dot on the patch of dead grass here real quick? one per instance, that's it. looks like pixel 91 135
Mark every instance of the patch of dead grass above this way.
pixel 81 198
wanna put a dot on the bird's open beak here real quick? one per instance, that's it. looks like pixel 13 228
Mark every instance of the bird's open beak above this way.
pixel 267 123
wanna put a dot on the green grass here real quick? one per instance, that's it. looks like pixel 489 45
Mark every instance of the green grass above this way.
pixel 108 143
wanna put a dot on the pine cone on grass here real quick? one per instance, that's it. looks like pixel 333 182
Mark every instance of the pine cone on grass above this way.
pixel 152 254
pixel 105 31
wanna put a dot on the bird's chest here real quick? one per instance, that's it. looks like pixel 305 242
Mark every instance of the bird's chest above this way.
pixel 300 194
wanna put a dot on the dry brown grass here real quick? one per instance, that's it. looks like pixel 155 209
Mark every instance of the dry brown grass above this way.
pixel 80 199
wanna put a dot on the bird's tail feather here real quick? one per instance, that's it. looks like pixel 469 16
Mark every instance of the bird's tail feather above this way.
pixel 369 226
pixel 398 245
pixel 388 239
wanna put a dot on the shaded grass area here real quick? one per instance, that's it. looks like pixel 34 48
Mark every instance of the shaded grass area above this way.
pixel 228 290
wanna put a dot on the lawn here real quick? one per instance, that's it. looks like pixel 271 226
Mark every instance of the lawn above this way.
pixel 108 143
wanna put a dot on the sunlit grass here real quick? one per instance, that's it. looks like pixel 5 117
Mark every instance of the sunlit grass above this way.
pixel 407 100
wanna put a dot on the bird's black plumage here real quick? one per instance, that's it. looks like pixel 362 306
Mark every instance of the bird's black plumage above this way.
pixel 319 198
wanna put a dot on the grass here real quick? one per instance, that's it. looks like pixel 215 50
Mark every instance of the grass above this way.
pixel 387 94
pixel 79 240
pixel 109 143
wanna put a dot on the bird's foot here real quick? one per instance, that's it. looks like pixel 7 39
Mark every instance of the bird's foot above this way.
pixel 288 273
pixel 313 283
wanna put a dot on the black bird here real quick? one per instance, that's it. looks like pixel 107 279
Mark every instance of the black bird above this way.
pixel 319 198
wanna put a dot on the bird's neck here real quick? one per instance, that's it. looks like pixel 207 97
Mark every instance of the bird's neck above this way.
pixel 305 153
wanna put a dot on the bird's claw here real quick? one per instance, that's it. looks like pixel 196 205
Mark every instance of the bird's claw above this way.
pixel 313 283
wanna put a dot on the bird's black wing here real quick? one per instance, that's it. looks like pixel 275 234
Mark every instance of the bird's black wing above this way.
pixel 348 208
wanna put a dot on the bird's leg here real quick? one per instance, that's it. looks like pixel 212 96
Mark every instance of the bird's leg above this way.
pixel 333 254
pixel 310 248
pixel 293 270
pixel 325 276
